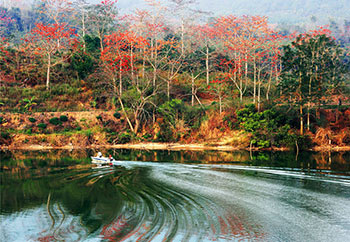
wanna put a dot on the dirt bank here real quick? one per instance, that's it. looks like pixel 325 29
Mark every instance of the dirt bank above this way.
pixel 168 146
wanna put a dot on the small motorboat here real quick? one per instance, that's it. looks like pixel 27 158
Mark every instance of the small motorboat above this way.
pixel 101 160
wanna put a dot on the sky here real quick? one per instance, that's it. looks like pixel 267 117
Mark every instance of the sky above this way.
pixel 288 11
pixel 278 11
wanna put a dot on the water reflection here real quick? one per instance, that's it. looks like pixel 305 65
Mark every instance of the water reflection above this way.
pixel 46 196
pixel 335 161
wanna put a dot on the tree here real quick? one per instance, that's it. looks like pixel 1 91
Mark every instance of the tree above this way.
pixel 204 35
pixel 312 68
pixel 52 42
pixel 219 88
pixel 117 60
pixel 102 17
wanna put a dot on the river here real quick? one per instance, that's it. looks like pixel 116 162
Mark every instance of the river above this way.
pixel 175 196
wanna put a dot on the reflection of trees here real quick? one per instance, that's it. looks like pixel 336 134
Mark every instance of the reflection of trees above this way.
pixel 94 204
pixel 339 161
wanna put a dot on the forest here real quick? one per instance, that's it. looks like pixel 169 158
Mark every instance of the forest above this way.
pixel 80 73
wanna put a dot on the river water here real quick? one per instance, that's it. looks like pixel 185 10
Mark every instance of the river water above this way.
pixel 175 196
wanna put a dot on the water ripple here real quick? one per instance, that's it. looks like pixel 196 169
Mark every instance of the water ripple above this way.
pixel 174 202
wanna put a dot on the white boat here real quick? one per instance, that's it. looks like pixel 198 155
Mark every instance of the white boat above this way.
pixel 101 160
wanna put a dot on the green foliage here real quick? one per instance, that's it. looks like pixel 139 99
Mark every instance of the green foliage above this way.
pixel 165 133
pixel 175 110
pixel 124 138
pixel 42 125
pixel 64 89
pixel 2 120
pixel 28 103
pixel 172 110
pixel 313 67
pixel 5 138
pixel 117 115
pixel 32 120
pixel 29 131
pixel 55 121
pixel 268 127
pixel 63 118
pixel 229 120
pixel 83 64
pixel 99 117
pixel 5 135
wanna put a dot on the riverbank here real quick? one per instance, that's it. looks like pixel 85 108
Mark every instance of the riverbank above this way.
pixel 169 146
pixel 106 130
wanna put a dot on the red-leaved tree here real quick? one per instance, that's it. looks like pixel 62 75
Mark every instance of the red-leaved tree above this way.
pixel 53 42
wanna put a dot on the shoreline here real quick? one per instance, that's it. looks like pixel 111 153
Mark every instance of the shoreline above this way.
pixel 172 147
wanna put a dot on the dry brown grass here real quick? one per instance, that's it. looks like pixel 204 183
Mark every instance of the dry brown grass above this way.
pixel 323 136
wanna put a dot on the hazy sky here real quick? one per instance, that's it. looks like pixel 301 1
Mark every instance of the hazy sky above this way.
pixel 290 11
pixel 276 10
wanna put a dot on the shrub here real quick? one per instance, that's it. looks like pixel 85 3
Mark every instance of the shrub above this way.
pixel 5 135
pixel 42 125
pixel 32 120
pixel 28 131
pixel 55 121
pixel 5 138
pixel 63 118
pixel 267 128
pixel 99 117
pixel 165 133
pixel 124 138
pixel 78 128
pixel 117 115
pixel 2 120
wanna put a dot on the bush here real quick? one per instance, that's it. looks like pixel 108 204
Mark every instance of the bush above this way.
pixel 267 128
pixel 28 131
pixel 124 138
pixel 2 120
pixel 165 133
pixel 55 121
pixel 32 120
pixel 5 138
pixel 99 117
pixel 5 135
pixel 117 115
pixel 63 118
pixel 42 126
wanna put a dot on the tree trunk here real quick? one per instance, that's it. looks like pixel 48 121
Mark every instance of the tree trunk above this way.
pixel 301 107
pixel 192 101
pixel 120 79
pixel 168 89
pixel 254 83
pixel 308 107
pixel 132 63
pixel 301 120
pixel 83 29
pixel 143 63
pixel 101 41
pixel 259 89
pixel 240 79
pixel 125 114
pixel 207 64
pixel 182 37
pixel 48 71
pixel 269 85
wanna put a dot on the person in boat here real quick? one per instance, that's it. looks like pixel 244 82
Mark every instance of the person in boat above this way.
pixel 99 154
pixel 110 158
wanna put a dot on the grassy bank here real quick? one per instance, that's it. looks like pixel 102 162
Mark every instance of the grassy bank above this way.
pixel 98 128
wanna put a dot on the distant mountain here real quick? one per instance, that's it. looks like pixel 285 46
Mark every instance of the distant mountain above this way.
pixel 278 11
